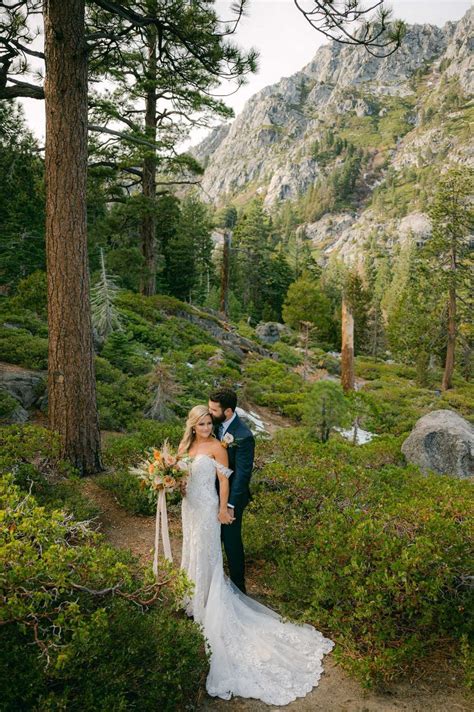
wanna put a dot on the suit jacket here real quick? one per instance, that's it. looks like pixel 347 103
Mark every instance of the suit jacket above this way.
pixel 241 454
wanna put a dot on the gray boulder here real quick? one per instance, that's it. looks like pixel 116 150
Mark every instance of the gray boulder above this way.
pixel 24 385
pixel 442 441
pixel 271 331
pixel 19 415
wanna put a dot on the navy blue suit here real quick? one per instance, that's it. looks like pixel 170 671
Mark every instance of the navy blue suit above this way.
pixel 241 454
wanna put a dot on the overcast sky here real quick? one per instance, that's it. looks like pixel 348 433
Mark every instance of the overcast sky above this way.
pixel 286 42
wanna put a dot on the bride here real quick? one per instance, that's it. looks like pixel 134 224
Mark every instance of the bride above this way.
pixel 253 652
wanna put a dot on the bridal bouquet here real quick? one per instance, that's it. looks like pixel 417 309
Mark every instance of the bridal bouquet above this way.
pixel 162 471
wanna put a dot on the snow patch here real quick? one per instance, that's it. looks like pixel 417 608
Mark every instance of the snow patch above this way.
pixel 363 436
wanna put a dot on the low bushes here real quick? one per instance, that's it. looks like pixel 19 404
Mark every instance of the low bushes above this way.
pixel 18 345
pixel 121 398
pixel 8 405
pixel 373 553
pixel 287 354
pixel 83 628
pixel 122 451
pixel 30 454
pixel 273 384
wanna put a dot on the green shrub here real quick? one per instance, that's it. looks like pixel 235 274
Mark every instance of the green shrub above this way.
pixel 100 644
pixel 31 294
pixel 287 354
pixel 375 554
pixel 31 454
pixel 124 353
pixel 123 451
pixel 325 408
pixel 146 307
pixel 122 401
pixel 372 369
pixel 201 352
pixel 21 347
pixel 8 405
pixel 126 490
pixel 247 331
pixel 178 333
pixel 270 383
pixel 461 399
pixel 330 363
pixel 22 318
pixel 397 405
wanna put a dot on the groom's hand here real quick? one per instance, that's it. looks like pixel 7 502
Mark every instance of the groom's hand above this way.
pixel 225 517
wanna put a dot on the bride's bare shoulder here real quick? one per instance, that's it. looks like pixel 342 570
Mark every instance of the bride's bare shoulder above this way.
pixel 217 448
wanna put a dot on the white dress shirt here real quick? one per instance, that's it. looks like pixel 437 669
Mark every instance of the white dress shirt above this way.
pixel 225 425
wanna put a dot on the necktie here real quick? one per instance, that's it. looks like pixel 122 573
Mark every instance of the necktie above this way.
pixel 221 431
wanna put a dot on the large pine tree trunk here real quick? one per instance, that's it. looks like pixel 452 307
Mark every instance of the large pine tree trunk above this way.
pixel 148 220
pixel 347 351
pixel 71 377
pixel 449 364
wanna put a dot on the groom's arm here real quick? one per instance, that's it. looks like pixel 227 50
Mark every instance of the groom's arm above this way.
pixel 243 469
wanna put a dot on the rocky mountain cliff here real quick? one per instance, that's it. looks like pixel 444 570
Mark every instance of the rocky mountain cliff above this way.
pixel 391 122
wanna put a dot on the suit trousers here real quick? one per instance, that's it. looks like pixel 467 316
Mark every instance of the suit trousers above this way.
pixel 231 535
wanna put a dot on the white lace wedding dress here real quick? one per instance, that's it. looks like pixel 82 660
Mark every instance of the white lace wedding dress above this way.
pixel 253 652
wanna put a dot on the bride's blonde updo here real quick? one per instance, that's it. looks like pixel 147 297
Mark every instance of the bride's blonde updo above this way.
pixel 194 416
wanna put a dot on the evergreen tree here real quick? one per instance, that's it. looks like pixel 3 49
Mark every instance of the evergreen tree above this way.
pixel 171 70
pixel 377 273
pixel 251 258
pixel 276 287
pixel 163 389
pixel 21 198
pixel 305 302
pixel 325 408
pixel 414 315
pixel 358 298
pixel 188 253
pixel 452 218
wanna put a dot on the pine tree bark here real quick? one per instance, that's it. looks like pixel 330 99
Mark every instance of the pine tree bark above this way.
pixel 347 351
pixel 148 220
pixel 72 406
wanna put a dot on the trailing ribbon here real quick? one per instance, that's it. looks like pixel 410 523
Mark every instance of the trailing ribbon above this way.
pixel 161 517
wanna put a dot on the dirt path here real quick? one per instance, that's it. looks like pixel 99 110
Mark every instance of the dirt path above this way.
pixel 437 691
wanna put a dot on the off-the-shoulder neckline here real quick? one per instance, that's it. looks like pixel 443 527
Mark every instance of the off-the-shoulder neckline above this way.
pixel 204 454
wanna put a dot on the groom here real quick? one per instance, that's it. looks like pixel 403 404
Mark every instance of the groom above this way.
pixel 240 444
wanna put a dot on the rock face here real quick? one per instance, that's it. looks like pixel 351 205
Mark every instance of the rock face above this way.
pixel 231 340
pixel 25 386
pixel 442 441
pixel 271 331
pixel 268 150
pixel 22 384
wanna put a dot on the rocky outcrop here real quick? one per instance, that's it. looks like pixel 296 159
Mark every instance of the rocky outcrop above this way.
pixel 227 337
pixel 268 149
pixel 271 331
pixel 442 441
pixel 25 386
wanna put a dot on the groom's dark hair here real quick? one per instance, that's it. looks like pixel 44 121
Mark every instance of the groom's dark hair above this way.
pixel 226 397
